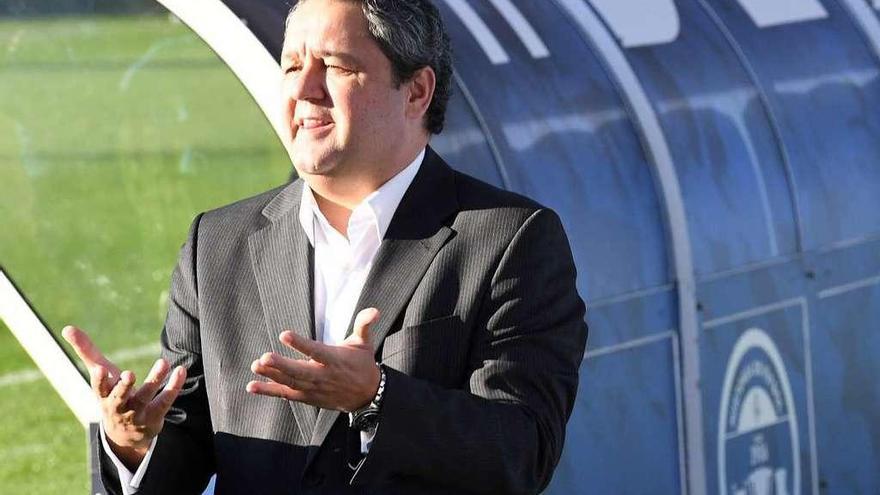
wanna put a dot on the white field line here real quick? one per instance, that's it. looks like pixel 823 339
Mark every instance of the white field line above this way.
pixel 28 449
pixel 20 376
pixel 29 375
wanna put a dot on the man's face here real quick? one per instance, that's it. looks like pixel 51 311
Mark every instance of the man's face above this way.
pixel 345 114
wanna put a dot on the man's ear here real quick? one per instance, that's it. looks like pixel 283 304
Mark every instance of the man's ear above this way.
pixel 420 93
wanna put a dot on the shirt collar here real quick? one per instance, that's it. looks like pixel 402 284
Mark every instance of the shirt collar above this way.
pixel 380 204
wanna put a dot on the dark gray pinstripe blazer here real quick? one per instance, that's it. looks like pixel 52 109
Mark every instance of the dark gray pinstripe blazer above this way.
pixel 482 331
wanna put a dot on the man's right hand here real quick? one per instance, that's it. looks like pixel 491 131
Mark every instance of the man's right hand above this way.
pixel 132 416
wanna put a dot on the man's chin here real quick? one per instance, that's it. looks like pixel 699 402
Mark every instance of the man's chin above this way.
pixel 308 166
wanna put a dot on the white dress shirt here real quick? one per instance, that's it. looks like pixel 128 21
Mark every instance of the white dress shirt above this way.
pixel 342 263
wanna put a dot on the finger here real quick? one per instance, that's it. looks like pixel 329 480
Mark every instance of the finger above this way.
pixel 298 369
pixel 273 389
pixel 101 381
pixel 162 403
pixel 283 376
pixel 314 350
pixel 275 375
pixel 362 322
pixel 119 395
pixel 86 349
pixel 151 385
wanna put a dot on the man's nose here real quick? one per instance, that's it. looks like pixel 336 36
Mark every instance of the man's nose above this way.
pixel 308 83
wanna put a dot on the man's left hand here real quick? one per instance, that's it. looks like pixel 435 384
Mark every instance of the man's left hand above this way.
pixel 343 377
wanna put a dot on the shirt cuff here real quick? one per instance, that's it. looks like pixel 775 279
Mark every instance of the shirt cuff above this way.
pixel 129 481
pixel 367 440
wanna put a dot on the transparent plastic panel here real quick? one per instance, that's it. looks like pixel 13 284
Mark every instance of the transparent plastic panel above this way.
pixel 823 88
pixel 116 131
pixel 463 144
pixel 564 138
pixel 117 126
pixel 732 173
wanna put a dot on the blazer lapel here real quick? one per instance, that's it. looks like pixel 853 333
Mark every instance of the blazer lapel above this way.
pixel 415 235
pixel 282 260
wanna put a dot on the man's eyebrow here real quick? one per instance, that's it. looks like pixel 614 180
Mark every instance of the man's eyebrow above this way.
pixel 345 57
pixel 294 55
pixel 289 55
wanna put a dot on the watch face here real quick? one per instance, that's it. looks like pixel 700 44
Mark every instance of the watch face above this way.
pixel 366 420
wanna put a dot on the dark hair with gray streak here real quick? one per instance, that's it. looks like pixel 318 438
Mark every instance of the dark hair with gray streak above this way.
pixel 411 34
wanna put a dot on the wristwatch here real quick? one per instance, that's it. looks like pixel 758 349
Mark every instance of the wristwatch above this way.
pixel 367 417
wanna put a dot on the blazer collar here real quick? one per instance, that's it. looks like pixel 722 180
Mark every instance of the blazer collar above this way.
pixel 282 259
pixel 284 202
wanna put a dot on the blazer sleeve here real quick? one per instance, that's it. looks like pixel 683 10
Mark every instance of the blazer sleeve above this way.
pixel 183 459
pixel 503 432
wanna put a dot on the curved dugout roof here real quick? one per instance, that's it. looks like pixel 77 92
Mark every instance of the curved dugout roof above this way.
pixel 763 119
pixel 743 147
pixel 711 138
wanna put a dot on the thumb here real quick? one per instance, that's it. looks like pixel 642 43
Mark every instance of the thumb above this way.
pixel 362 322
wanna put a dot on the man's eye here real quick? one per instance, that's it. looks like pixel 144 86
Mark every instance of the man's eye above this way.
pixel 340 69
pixel 293 69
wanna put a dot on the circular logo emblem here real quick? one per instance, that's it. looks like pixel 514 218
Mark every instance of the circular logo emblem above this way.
pixel 757 429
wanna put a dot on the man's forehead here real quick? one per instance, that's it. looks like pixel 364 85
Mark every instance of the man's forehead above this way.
pixel 328 26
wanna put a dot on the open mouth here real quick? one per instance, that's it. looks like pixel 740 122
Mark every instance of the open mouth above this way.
pixel 314 124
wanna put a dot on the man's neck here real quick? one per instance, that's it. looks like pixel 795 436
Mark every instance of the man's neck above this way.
pixel 336 214
pixel 337 197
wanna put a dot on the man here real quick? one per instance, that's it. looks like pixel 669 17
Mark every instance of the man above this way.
pixel 382 325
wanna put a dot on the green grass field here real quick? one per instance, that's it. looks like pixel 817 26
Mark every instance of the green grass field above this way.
pixel 114 133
